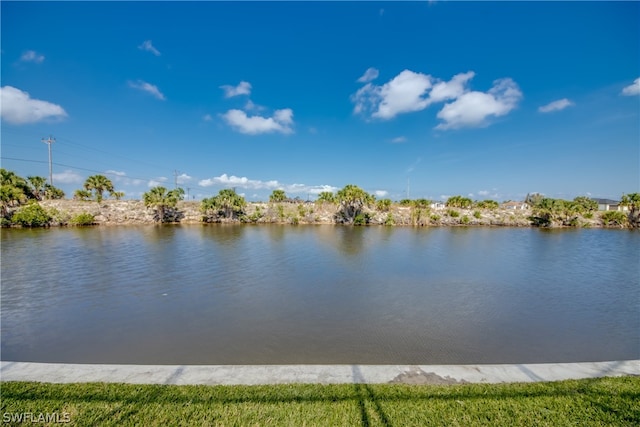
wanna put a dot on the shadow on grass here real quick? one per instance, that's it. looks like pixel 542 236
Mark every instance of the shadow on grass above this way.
pixel 616 397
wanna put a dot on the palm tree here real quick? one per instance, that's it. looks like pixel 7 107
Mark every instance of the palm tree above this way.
pixel 632 201
pixel 352 199
pixel 99 184
pixel 278 196
pixel 227 203
pixel 161 199
pixel 326 197
pixel 118 194
pixel 37 184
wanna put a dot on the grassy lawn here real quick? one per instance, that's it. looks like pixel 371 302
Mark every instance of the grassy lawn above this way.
pixel 591 402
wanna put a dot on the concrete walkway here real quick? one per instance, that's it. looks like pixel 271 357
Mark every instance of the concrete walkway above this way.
pixel 314 374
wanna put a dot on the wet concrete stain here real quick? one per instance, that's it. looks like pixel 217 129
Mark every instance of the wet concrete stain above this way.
pixel 417 376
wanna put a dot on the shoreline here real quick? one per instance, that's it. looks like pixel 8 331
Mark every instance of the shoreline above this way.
pixel 135 213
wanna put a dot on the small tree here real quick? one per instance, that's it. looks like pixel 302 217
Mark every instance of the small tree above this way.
pixel 278 196
pixel 83 195
pixel 459 202
pixel 227 204
pixel 352 199
pixel 161 200
pixel 37 186
pixel 632 201
pixel 383 205
pixel 487 204
pixel 98 184
pixel 326 197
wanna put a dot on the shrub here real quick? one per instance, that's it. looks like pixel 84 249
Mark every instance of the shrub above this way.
pixel 614 218
pixel 58 217
pixel 464 219
pixel 361 219
pixel 83 219
pixel 435 218
pixel 389 220
pixel 477 214
pixel 32 215
pixel 383 205
pixel 452 213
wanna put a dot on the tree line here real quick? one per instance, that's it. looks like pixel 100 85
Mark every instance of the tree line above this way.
pixel 353 204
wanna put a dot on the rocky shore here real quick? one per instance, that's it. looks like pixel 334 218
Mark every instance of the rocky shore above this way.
pixel 134 212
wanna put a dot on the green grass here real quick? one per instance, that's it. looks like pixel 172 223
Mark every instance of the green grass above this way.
pixel 591 402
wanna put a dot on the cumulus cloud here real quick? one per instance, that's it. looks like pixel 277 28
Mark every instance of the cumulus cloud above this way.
pixel 148 46
pixel 369 75
pixel 32 56
pixel 632 89
pixel 380 193
pixel 558 105
pixel 483 193
pixel 121 178
pixel 207 118
pixel 399 140
pixel 404 93
pixel 147 87
pixel 410 92
pixel 225 180
pixel 472 109
pixel 243 88
pixel 281 121
pixel 67 177
pixel 155 182
pixel 184 178
pixel 17 107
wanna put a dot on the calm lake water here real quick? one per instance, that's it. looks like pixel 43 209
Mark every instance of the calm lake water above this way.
pixel 319 294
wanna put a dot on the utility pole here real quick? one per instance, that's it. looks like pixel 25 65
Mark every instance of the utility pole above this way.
pixel 50 141
pixel 175 178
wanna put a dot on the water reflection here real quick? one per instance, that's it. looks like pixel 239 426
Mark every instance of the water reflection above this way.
pixel 318 294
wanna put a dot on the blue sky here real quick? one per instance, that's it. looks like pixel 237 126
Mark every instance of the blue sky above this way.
pixel 430 99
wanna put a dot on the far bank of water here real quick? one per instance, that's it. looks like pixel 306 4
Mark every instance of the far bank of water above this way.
pixel 234 294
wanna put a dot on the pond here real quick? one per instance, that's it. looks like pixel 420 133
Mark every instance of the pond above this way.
pixel 241 294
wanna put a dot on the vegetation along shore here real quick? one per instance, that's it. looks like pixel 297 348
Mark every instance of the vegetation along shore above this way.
pixel 31 202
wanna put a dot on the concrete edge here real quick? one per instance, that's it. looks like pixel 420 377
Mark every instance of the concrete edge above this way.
pixel 311 374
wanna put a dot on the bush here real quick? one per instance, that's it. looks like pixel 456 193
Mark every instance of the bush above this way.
pixel 361 219
pixel 32 215
pixel 83 219
pixel 389 220
pixel 383 205
pixel 435 218
pixel 614 218
pixel 465 219
pixel 477 214
pixel 453 214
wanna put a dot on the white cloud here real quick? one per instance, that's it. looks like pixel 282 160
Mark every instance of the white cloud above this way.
pixel 157 181
pixel 122 179
pixel 404 93
pixel 399 140
pixel 250 105
pixel 225 180
pixel 632 89
pixel 147 87
pixel 370 74
pixel 410 91
pixel 67 177
pixel 558 105
pixel 243 88
pixel 280 122
pixel 17 107
pixel 380 193
pixel 472 109
pixel 184 178
pixel 443 91
pixel 148 46
pixel 32 56
pixel 483 193
pixel 207 118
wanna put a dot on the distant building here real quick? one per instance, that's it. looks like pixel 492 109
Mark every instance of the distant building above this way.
pixel 609 205
pixel 437 205
pixel 515 206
